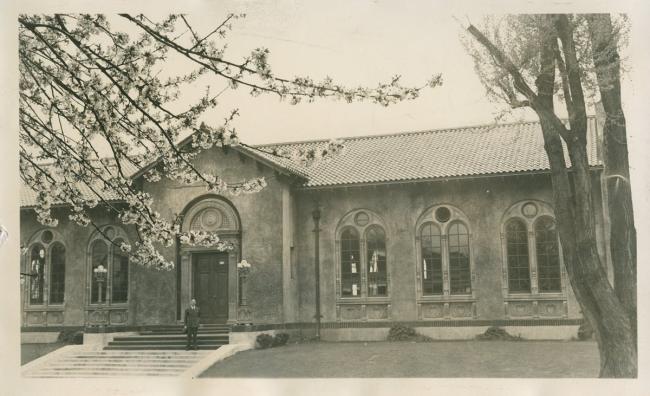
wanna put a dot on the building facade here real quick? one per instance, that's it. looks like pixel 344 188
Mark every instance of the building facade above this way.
pixel 448 231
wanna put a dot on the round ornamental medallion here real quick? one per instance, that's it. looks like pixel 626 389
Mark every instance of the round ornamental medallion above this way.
pixel 529 210
pixel 47 236
pixel 211 219
pixel 110 232
pixel 361 219
pixel 443 214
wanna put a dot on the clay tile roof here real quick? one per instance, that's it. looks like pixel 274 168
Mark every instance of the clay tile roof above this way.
pixel 443 153
pixel 28 196
pixel 411 156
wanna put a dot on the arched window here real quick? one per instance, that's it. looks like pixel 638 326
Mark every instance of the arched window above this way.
pixel 548 256
pixel 45 269
pixel 106 256
pixel 57 273
pixel 532 260
pixel 517 257
pixel 362 271
pixel 350 264
pixel 431 259
pixel 376 261
pixel 444 260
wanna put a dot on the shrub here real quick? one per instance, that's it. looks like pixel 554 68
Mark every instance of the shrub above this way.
pixel 400 333
pixel 280 339
pixel 263 341
pixel 585 332
pixel 405 333
pixel 497 334
pixel 71 337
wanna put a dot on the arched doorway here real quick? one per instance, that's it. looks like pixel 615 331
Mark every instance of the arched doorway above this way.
pixel 207 274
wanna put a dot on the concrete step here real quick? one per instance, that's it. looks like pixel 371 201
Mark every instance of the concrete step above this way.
pixel 180 327
pixel 107 373
pixel 119 363
pixel 133 358
pixel 166 341
pixel 102 374
pixel 161 337
pixel 127 353
pixel 158 347
pixel 110 365
pixel 53 369
pixel 136 356
pixel 171 338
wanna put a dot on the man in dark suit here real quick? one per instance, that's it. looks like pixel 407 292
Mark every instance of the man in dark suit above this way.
pixel 192 320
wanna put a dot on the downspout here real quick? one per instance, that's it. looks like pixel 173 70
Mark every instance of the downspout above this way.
pixel 316 216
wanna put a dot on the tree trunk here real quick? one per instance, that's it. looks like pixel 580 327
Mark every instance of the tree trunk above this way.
pixel 572 202
pixel 588 276
pixel 617 176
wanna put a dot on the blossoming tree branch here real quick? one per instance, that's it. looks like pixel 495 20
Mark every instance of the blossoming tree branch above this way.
pixel 87 89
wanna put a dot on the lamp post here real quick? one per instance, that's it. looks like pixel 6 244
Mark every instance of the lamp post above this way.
pixel 99 273
pixel 316 216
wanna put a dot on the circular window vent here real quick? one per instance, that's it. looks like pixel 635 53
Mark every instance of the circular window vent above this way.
pixel 443 214
pixel 109 232
pixel 47 236
pixel 529 210
pixel 361 219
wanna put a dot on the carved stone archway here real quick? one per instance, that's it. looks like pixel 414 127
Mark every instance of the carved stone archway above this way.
pixel 211 214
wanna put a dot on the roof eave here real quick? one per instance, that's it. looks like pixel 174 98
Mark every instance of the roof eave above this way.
pixel 239 149
pixel 440 178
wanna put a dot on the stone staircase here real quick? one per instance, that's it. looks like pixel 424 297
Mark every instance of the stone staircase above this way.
pixel 98 363
pixel 159 352
pixel 172 338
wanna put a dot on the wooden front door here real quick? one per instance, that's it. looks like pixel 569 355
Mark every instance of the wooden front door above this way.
pixel 211 286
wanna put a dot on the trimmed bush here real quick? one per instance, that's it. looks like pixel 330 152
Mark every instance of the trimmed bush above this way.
pixel 280 339
pixel 71 337
pixel 497 334
pixel 406 333
pixel 264 341
pixel 585 332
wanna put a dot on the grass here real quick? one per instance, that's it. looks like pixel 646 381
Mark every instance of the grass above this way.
pixel 444 359
pixel 29 352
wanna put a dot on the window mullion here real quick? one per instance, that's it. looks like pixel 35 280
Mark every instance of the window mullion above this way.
pixel 46 275
pixel 445 264
pixel 472 272
pixel 338 268
pixel 505 289
pixel 109 276
pixel 419 276
pixel 363 267
pixel 388 293
pixel 563 280
pixel 532 259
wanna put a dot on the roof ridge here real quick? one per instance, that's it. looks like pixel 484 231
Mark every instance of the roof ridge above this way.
pixel 391 134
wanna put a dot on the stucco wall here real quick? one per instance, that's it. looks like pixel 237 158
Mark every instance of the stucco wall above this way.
pixel 484 201
pixel 261 233
pixel 152 298
pixel 75 239
pixel 277 239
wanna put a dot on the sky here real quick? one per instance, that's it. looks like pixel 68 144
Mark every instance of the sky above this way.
pixel 355 43
pixel 358 43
